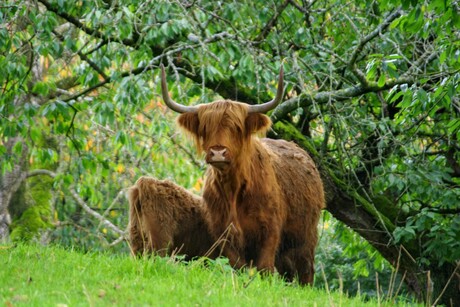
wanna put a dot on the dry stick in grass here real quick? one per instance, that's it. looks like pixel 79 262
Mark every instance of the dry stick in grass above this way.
pixel 400 285
pixel 429 289
pixel 359 290
pixel 378 287
pixel 325 279
pixel 327 286
pixel 339 276
pixel 393 276
pixel 223 239
pixel 389 294
pixel 447 284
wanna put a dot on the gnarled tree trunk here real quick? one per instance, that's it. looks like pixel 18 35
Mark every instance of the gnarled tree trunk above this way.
pixel 9 184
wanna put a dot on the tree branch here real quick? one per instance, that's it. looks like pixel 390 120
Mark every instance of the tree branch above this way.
pixel 80 202
pixel 94 214
pixel 153 65
pixel 83 57
pixel 343 94
pixel 226 88
pixel 37 172
pixel 92 32
pixel 186 151
pixel 424 59
pixel 359 48
pixel 272 22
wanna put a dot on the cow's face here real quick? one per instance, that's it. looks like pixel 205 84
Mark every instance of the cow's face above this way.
pixel 223 131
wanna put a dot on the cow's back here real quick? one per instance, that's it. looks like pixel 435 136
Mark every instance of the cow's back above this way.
pixel 297 175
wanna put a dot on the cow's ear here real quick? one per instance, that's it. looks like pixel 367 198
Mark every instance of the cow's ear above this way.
pixel 257 123
pixel 189 122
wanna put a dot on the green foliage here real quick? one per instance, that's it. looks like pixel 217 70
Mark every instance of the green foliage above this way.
pixel 36 275
pixel 348 264
pixel 372 85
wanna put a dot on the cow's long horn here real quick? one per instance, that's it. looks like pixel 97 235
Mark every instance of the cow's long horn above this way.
pixel 168 101
pixel 265 107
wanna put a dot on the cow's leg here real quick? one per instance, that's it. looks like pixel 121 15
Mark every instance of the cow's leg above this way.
pixel 305 260
pixel 302 267
pixel 233 244
pixel 285 265
pixel 233 237
pixel 269 247
pixel 234 257
pixel 159 239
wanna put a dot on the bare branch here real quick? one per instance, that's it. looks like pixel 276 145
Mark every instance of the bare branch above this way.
pixel 115 200
pixel 92 32
pixel 186 151
pixel 359 48
pixel 343 94
pixel 80 202
pixel 94 214
pixel 37 172
pixel 118 241
pixel 84 57
pixel 424 59
pixel 272 22
pixel 447 284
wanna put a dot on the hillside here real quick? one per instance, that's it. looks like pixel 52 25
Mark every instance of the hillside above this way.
pixel 52 276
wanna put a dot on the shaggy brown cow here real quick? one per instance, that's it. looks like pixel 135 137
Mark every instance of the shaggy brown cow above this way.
pixel 165 218
pixel 269 191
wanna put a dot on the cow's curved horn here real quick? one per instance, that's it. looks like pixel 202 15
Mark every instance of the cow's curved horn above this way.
pixel 168 101
pixel 265 107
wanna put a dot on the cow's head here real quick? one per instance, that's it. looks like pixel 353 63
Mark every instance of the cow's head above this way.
pixel 223 129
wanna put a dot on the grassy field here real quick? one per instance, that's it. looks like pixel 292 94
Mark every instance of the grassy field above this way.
pixel 52 276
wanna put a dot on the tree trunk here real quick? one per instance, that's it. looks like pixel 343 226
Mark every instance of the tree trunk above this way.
pixel 426 285
pixel 11 181
pixel 5 219
pixel 9 184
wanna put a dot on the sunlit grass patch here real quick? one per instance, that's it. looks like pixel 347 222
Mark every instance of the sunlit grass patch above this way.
pixel 50 276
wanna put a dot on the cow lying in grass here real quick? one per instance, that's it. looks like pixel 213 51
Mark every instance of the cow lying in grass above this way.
pixel 166 219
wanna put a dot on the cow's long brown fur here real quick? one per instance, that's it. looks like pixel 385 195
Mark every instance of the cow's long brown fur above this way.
pixel 303 192
pixel 270 193
pixel 165 218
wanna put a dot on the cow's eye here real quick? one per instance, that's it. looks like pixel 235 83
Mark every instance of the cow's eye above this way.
pixel 239 131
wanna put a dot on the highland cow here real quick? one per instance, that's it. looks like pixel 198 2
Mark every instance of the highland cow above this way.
pixel 166 219
pixel 268 192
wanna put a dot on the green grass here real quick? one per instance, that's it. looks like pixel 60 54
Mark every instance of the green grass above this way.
pixel 32 275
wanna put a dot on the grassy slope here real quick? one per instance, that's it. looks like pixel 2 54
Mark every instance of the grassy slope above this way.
pixel 52 276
